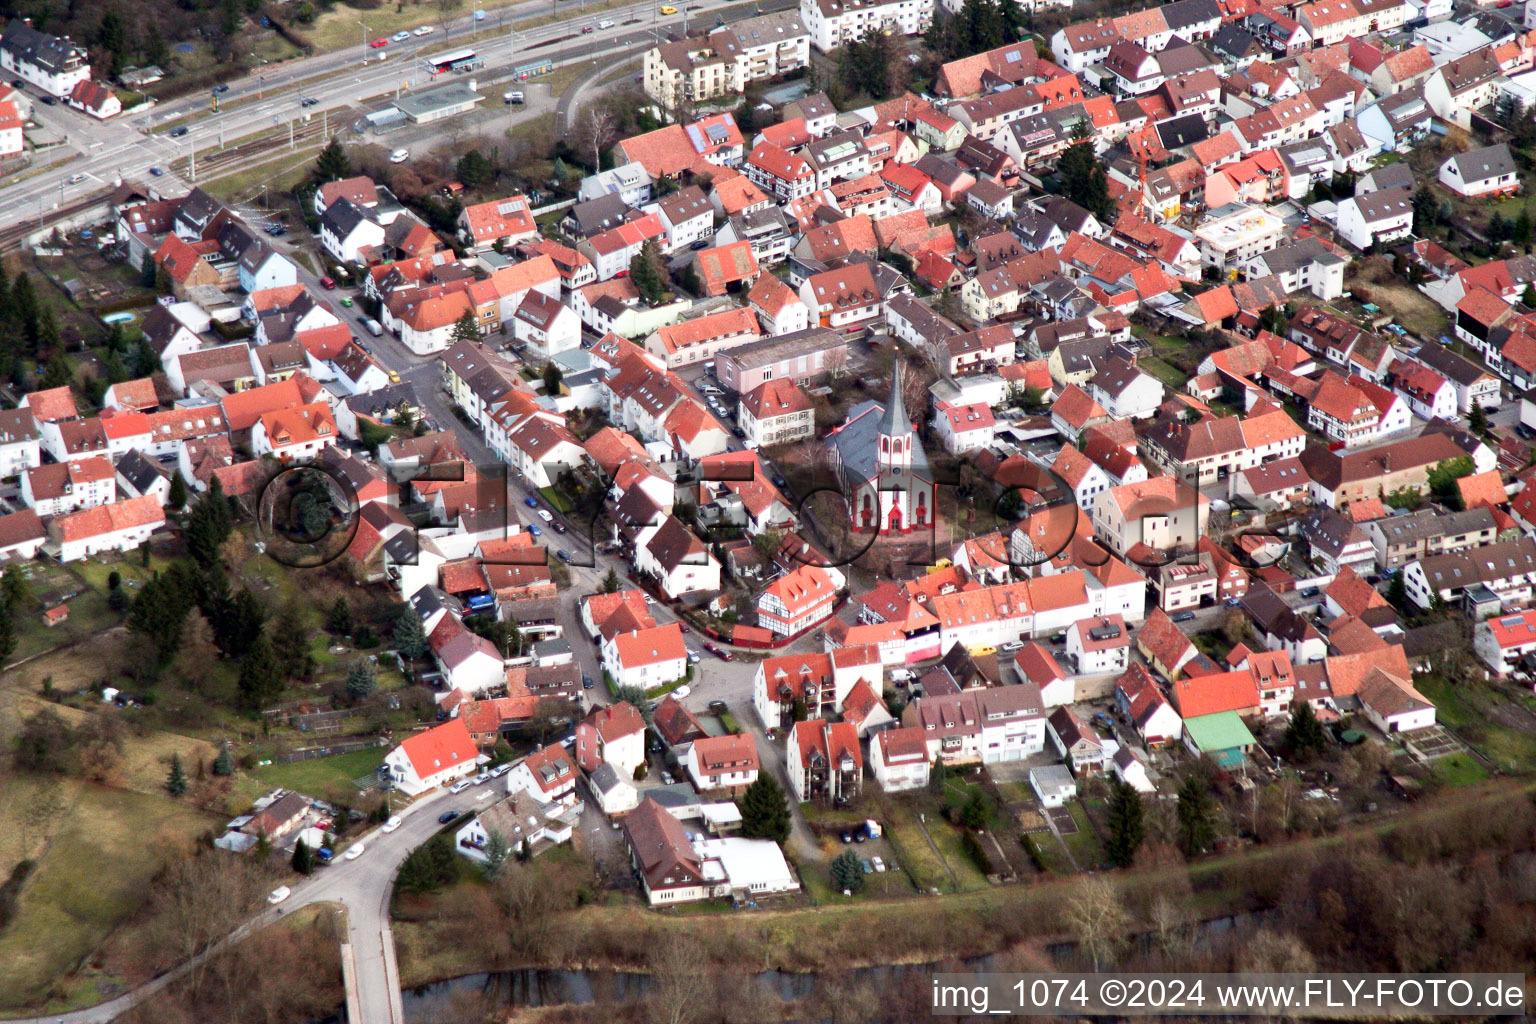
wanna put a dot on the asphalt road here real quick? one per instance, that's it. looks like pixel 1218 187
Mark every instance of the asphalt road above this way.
pixel 118 149
pixel 362 886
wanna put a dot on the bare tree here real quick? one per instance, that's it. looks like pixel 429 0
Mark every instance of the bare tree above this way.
pixel 836 361
pixel 682 986
pixel 203 899
pixel 596 131
pixel 1098 919
pixel 528 898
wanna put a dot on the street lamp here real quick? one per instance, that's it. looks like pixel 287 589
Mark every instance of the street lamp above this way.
pixel 365 40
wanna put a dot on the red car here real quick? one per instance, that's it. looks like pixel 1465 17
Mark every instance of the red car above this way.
pixel 377 43
pixel 327 283
pixel 721 654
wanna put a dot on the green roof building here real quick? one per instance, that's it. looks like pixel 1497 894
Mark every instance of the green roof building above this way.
pixel 1223 736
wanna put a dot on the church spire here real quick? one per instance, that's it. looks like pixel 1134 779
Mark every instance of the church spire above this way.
pixel 895 422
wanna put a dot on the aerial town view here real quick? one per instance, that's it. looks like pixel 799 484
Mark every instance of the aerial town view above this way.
pixel 749 511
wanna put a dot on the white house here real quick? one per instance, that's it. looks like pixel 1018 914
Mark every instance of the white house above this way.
pixel 468 661
pixel 834 23
pixel 647 657
pixel 1131 770
pixel 53 64
pixel 517 819
pixel 545 326
pixel 65 486
pixel 1053 785
pixel 898 759
pixel 437 757
pixel 118 526
pixel 1393 705
pixel 1501 642
pixel 1099 645
pixel 721 763
pixel 1379 217
pixel 677 558
pixel 298 434
pixel 548 775
pixel 612 735
pixel 1481 172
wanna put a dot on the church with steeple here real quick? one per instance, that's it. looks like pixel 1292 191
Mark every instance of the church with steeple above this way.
pixel 883 469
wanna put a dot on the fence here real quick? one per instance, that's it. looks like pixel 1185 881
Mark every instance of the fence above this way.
pixel 310 753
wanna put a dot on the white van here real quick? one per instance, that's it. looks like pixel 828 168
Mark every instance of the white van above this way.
pixel 399 156
pixel 373 326
pixel 512 96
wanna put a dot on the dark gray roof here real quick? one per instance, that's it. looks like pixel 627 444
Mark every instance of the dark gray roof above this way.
pixel 140 472
pixel 1391 175
pixel 1385 204
pixel 601 214
pixel 342 217
pixel 53 54
pixel 1489 162
pixel 1480 565
pixel 1295 255
pixel 1330 531
pixel 1188 13
pixel 17 425
pixel 1183 131
pixel 1115 375
pixel 857 444
pixel 1448 364
pixel 1433 522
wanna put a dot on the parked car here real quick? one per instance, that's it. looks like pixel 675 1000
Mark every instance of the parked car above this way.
pixel 346 300
pixel 446 817
pixel 1525 432
pixel 50 101
pixel 392 824
pixel 564 556
pixel 399 156
pixel 712 649
pixel 544 514
pixel 879 864
pixel 693 657
pixel 533 529
pixel 847 837
pixel 586 682
pixel 279 894
pixel 460 786
pixel 275 230
pixel 501 770
pixel 1011 645
pixel 179 131
pixel 717 707
pixel 869 868
pixel 682 691
pixel 328 283
pixel 700 245
pixel 400 37
pixel 1310 592
pixel 1183 617
pixel 308 101
pixel 558 526
pixel 373 326
pixel 531 502
pixel 355 851
pixel 482 778
pixel 667 779
pixel 425 30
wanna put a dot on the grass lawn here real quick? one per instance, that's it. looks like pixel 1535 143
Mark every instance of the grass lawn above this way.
pixel 1085 844
pixel 728 723
pixel 278 175
pixel 1461 708
pixel 917 859
pixel 1459 770
pixel 557 499
pixel 1051 854
pixel 320 774
pixel 1170 375
pixel 96 872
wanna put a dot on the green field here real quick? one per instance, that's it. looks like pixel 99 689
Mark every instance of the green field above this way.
pixel 318 775
pixel 96 872
pixel 1459 707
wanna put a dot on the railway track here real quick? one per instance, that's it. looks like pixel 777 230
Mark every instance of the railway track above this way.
pixel 12 235
pixel 270 145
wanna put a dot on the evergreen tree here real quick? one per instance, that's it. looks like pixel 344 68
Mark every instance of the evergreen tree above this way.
pixel 362 679
pixel 410 639
pixel 765 810
pixel 1197 826
pixel 1477 419
pixel 160 610
pixel 1528 297
pixel 147 271
pixel 1498 228
pixel 237 623
pixel 208 525
pixel 339 621
pixel 178 496
pixel 1425 210
pixel 611 582
pixel 466 327
pixel 1304 734
pixel 303 858
pixel 977 813
pixel 1397 593
pixel 176 780
pixel 552 378
pixel 1126 825
pixel 1082 176
pixel 496 853
pixel 55 373
pixel 848 873
pixel 14 590
pixel 7 634
pixel 644 271
pixel 224 764
pixel 474 170
pixel 332 164
pixel 47 331
pixel 1520 230
pixel 261 677
pixel 290 638
pixel 24 303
